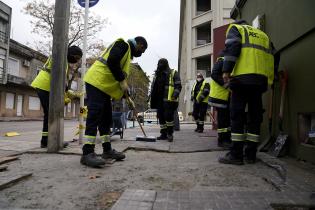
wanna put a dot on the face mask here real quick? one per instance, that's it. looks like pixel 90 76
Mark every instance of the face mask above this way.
pixel 137 54
pixel 199 79
pixel 71 59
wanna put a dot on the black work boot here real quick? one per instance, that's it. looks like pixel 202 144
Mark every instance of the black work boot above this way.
pixel 89 158
pixel 231 159
pixel 250 152
pixel 197 129
pixel 110 153
pixel 170 137
pixel 163 135
pixel 113 154
pixel 200 129
pixel 44 142
pixel 170 133
pixel 235 156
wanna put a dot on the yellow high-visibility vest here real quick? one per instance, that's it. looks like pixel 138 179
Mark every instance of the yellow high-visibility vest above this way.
pixel 256 54
pixel 171 87
pixel 205 100
pixel 100 76
pixel 42 80
pixel 217 91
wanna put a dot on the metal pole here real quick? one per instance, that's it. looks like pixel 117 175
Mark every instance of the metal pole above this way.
pixel 83 69
pixel 57 84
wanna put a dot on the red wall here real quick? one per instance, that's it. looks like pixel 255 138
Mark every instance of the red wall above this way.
pixel 218 40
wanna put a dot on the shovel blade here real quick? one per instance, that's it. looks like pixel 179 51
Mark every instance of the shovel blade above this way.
pixel 279 145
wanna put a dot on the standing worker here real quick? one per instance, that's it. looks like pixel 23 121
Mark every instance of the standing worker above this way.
pixel 106 79
pixel 42 85
pixel 200 96
pixel 165 90
pixel 249 68
pixel 219 98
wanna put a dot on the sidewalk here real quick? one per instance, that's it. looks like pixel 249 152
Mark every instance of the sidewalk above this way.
pixel 269 184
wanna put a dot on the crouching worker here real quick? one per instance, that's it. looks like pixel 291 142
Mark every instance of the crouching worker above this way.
pixel 106 79
pixel 42 85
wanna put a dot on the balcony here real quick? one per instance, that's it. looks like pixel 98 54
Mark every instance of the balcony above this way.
pixel 16 80
pixel 3 37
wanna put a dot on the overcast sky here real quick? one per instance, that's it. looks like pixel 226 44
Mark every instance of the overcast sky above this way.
pixel 157 21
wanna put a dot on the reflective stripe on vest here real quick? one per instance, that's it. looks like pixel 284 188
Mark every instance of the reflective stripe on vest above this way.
pixel 256 56
pixel 100 76
pixel 170 87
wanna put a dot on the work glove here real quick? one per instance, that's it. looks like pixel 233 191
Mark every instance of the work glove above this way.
pixel 67 100
pixel 74 94
pixel 124 86
pixel 130 103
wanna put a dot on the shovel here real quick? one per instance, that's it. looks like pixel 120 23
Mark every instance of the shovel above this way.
pixel 277 148
pixel 144 137
pixel 265 145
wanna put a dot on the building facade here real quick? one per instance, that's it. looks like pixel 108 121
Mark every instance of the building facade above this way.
pixel 5 27
pixel 18 100
pixel 291 27
pixel 198 18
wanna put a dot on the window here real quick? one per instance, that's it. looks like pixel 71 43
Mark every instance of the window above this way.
pixel 203 34
pixel 2 65
pixel 202 6
pixel 13 67
pixel 3 31
pixel 2 60
pixel 204 65
pixel 33 103
pixel 9 101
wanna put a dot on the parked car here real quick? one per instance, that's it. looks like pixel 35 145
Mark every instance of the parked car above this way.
pixel 150 115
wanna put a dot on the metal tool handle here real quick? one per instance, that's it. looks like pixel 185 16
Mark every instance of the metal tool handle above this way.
pixel 135 115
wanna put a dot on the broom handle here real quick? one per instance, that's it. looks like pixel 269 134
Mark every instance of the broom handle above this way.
pixel 135 115
pixel 145 135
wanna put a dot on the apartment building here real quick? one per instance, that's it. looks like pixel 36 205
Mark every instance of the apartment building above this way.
pixel 198 18
pixel 18 100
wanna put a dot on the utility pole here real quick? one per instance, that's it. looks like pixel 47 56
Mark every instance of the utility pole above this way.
pixel 83 69
pixel 57 84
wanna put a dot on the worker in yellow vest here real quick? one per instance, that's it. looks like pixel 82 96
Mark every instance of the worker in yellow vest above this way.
pixel 106 79
pixel 165 90
pixel 219 98
pixel 200 96
pixel 42 85
pixel 249 68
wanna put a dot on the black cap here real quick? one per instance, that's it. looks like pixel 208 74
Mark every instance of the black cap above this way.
pixel 141 40
pixel 74 50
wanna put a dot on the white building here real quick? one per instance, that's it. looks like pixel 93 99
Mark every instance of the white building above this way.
pixel 198 18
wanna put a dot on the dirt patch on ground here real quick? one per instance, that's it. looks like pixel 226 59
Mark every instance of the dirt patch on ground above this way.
pixel 60 182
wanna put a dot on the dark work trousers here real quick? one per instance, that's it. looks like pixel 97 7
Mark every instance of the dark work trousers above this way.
pixel 44 101
pixel 224 133
pixel 242 96
pixel 253 98
pixel 99 115
pixel 165 113
pixel 199 114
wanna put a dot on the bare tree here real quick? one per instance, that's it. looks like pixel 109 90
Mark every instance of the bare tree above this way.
pixel 42 12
